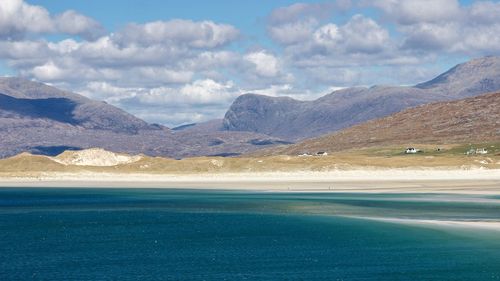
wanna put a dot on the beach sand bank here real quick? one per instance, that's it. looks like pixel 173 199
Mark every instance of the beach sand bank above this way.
pixel 475 181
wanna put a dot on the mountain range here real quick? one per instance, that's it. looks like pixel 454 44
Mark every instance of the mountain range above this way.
pixel 291 119
pixel 41 119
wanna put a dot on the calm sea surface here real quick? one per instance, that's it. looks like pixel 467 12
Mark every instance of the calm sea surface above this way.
pixel 165 234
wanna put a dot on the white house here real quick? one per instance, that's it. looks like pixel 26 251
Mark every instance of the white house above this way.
pixel 473 151
pixel 321 153
pixel 481 151
pixel 412 150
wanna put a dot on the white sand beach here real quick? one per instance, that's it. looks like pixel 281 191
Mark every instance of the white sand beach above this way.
pixel 471 181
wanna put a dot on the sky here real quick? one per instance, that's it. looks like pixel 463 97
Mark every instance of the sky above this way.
pixel 178 62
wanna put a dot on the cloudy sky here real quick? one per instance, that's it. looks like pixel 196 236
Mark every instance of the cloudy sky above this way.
pixel 176 62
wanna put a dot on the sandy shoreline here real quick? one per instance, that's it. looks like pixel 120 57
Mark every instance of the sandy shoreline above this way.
pixel 477 181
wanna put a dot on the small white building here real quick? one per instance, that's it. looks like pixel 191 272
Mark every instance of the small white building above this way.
pixel 481 151
pixel 322 153
pixel 412 150
pixel 476 151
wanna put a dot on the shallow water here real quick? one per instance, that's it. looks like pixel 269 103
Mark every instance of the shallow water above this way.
pixel 164 234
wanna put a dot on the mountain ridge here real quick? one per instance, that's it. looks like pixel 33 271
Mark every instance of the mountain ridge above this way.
pixel 41 119
pixel 296 120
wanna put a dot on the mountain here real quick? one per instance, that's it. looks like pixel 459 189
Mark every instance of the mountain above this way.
pixel 41 119
pixel 291 119
pixel 22 99
pixel 469 120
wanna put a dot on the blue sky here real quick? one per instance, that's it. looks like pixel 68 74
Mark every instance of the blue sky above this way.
pixel 176 62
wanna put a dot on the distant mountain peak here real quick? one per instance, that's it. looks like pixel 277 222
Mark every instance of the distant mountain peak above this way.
pixel 27 98
pixel 473 71
pixel 294 120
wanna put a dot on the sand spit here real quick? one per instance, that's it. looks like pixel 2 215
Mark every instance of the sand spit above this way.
pixel 490 225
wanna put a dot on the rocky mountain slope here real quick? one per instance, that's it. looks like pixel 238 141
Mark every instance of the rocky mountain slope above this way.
pixel 291 119
pixel 470 120
pixel 21 99
pixel 41 119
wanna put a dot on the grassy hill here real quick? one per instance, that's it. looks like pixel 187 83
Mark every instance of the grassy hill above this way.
pixel 471 122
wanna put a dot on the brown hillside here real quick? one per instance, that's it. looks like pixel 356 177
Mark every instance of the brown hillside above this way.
pixel 469 120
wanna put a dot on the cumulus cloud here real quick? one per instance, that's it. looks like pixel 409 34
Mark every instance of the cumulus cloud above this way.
pixel 266 65
pixel 445 26
pixel 199 92
pixel 298 11
pixel 359 35
pixel 205 98
pixel 18 19
pixel 407 33
pixel 408 12
pixel 311 39
pixel 204 34
pixel 292 32
pixel 295 23
pixel 360 40
pixel 71 22
pixel 172 55
pixel 484 12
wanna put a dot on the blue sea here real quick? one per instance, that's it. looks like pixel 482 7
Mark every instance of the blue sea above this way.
pixel 168 234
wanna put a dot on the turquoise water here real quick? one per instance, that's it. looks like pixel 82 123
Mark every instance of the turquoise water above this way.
pixel 162 234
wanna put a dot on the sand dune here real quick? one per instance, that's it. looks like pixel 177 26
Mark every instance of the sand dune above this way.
pixel 94 157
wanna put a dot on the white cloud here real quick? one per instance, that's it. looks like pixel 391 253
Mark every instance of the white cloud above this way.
pixel 364 35
pixel 107 92
pixel 71 22
pixel 295 23
pixel 417 11
pixel 204 34
pixel 19 51
pixel 484 12
pixel 359 41
pixel 293 32
pixel 48 72
pixel 266 65
pixel 199 92
pixel 430 36
pixel 328 35
pixel 358 35
pixel 18 19
pixel 198 101
pixel 299 11
pixel 445 26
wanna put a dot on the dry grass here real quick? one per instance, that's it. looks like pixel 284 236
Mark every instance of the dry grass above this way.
pixel 451 156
